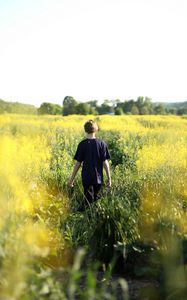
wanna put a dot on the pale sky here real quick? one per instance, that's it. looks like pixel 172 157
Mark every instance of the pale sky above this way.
pixel 92 49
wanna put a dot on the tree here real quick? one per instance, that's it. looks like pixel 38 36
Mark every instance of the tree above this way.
pixel 134 110
pixel 69 106
pixel 172 111
pixel 105 108
pixel 118 111
pixel 140 103
pixel 93 111
pixel 148 105
pixel 144 105
pixel 116 102
pixel 182 111
pixel 47 108
pixel 57 109
pixel 159 109
pixel 145 110
pixel 93 103
pixel 83 109
pixel 127 106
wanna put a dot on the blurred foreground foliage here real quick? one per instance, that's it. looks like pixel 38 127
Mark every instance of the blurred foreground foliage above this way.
pixel 138 228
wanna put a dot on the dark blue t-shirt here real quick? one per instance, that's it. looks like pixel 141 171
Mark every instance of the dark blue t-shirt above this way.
pixel 92 152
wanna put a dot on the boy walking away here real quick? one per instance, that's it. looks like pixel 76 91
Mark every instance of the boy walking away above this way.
pixel 92 153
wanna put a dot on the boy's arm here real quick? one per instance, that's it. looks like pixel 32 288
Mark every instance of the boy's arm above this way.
pixel 75 170
pixel 106 166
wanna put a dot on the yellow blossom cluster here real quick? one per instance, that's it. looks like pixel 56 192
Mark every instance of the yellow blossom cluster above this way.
pixel 30 208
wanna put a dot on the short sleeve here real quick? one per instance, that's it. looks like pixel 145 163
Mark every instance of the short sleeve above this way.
pixel 79 153
pixel 105 153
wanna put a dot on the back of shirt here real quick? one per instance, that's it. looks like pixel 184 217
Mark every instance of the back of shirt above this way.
pixel 92 152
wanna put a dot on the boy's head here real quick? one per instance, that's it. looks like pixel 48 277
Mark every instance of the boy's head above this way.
pixel 90 126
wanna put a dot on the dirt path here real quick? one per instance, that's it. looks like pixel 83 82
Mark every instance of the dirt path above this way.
pixel 143 289
pixel 139 289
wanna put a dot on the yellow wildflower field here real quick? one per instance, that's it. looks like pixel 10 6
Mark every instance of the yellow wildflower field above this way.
pixel 36 159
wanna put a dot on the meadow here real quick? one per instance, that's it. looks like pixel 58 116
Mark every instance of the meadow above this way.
pixel 46 242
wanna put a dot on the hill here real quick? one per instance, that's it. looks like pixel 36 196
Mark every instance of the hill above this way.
pixel 169 105
pixel 177 105
pixel 17 108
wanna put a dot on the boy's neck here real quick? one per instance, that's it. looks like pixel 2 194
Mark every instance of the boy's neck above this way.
pixel 91 135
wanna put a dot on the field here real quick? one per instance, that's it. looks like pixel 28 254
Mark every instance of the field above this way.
pixel 45 242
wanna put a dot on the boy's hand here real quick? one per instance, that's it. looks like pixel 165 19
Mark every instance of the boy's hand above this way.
pixel 71 183
pixel 75 170
pixel 109 183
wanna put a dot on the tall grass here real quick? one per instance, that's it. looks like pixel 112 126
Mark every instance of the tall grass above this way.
pixel 142 218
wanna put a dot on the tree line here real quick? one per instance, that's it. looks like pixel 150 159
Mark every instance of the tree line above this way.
pixel 141 106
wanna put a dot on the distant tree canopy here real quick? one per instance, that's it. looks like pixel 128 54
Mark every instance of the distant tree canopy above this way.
pixel 141 106
pixel 118 111
pixel 69 106
pixel 159 109
pixel 49 109
pixel 106 108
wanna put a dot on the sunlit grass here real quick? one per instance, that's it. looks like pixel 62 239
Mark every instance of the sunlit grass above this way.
pixel 150 154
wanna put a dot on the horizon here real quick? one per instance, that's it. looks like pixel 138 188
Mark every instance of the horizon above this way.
pixel 99 102
pixel 96 49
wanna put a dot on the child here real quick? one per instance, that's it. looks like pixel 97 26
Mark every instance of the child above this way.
pixel 93 154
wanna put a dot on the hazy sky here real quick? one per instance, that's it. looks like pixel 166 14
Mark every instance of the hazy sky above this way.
pixel 92 49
